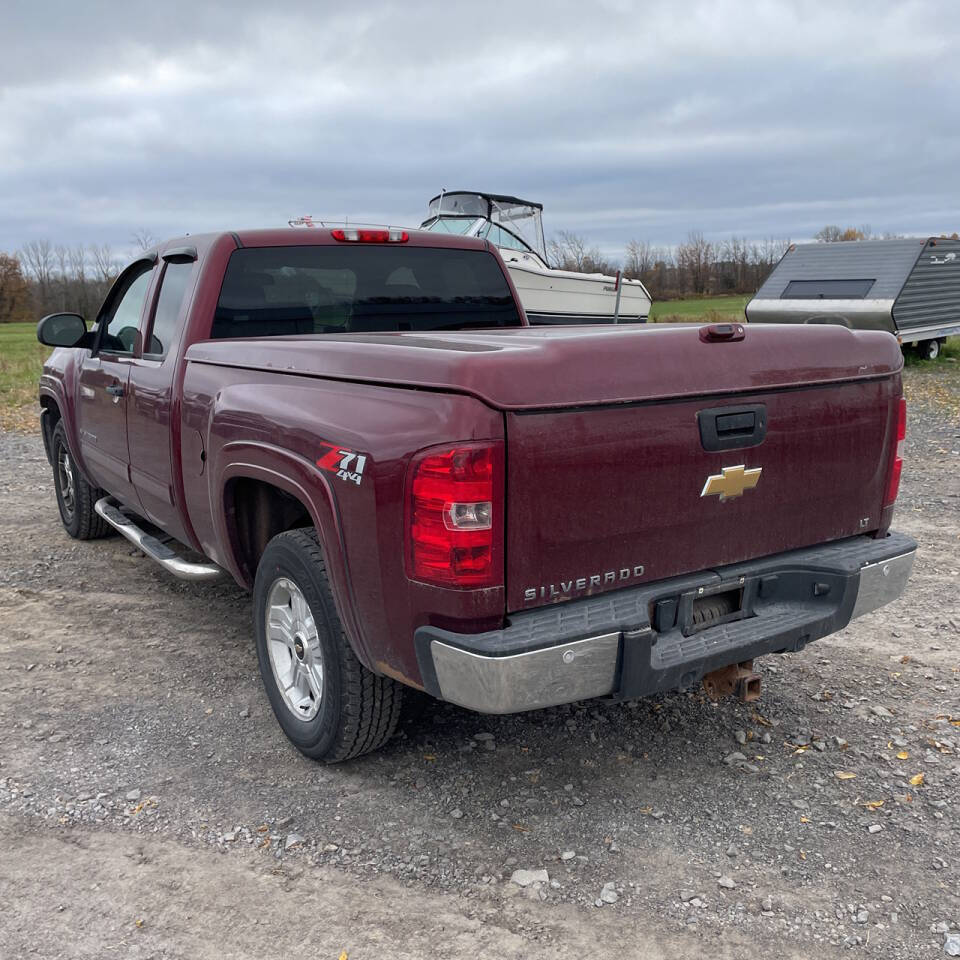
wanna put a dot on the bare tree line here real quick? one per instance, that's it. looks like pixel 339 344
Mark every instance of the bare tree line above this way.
pixel 43 277
pixel 65 278
pixel 697 267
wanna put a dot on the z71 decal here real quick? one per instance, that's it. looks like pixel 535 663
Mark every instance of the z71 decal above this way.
pixel 346 464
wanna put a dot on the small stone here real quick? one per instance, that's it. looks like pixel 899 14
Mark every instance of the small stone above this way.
pixel 874 828
pixel 609 893
pixel 330 848
pixel 483 736
pixel 799 804
pixel 951 945
pixel 456 813
pixel 766 904
pixel 728 883
pixel 862 916
pixel 840 743
pixel 879 711
pixel 577 802
pixel 740 736
pixel 133 795
pixel 567 855
pixel 765 737
pixel 819 746
pixel 732 758
pixel 293 840
pixel 732 850
pixel 525 878
pixel 687 895
pixel 244 713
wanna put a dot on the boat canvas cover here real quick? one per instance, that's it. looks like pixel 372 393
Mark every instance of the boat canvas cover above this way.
pixel 523 218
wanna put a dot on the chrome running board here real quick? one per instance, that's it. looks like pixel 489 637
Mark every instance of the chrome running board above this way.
pixel 152 547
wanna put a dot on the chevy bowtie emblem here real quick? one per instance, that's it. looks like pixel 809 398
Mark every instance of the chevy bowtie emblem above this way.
pixel 731 483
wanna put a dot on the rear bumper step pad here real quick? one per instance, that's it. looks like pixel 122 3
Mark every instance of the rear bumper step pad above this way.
pixel 606 644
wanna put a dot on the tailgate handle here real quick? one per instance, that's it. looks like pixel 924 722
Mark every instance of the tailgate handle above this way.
pixel 733 428
pixel 717 332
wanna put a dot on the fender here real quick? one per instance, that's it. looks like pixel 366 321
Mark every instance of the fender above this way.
pixel 53 387
pixel 294 474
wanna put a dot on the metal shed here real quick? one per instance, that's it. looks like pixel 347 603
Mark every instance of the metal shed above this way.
pixel 910 288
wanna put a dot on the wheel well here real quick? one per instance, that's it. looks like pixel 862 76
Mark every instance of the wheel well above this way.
pixel 48 422
pixel 256 512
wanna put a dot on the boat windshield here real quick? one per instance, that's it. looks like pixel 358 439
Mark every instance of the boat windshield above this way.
pixel 519 218
pixel 457 225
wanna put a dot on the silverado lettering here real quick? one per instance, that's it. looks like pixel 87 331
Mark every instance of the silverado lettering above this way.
pixel 566 587
pixel 202 401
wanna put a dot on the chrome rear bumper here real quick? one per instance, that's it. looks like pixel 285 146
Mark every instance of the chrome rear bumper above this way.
pixel 606 644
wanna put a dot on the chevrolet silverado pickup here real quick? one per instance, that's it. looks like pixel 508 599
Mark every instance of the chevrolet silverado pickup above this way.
pixel 422 490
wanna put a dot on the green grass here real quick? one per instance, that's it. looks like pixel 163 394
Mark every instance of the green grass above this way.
pixel 713 309
pixel 21 360
pixel 21 356
pixel 950 349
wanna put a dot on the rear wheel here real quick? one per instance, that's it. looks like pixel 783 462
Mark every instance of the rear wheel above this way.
pixel 929 349
pixel 75 497
pixel 329 705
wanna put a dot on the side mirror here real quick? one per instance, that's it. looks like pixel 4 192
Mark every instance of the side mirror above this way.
pixel 61 329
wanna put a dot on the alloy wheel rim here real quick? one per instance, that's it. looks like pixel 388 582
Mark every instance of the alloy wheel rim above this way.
pixel 67 490
pixel 293 648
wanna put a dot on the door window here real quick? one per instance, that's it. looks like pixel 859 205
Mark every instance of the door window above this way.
pixel 173 290
pixel 122 320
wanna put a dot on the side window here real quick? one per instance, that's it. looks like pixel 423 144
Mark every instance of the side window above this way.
pixel 120 326
pixel 173 290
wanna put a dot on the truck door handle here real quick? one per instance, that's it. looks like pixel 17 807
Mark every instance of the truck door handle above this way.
pixel 732 428
pixel 115 390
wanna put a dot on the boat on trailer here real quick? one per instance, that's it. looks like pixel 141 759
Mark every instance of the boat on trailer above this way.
pixel 549 295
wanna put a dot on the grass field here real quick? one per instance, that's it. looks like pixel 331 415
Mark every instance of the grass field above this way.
pixel 21 357
pixel 715 309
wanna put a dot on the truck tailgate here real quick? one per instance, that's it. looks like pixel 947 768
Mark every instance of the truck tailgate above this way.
pixel 607 496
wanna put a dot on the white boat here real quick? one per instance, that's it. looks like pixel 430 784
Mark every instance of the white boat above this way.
pixel 548 295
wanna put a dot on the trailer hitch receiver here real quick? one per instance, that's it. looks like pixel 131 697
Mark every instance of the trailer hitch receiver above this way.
pixel 738 679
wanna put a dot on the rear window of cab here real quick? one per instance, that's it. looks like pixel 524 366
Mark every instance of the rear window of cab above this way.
pixel 363 288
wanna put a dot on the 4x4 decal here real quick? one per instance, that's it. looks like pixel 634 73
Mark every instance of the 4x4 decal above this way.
pixel 346 464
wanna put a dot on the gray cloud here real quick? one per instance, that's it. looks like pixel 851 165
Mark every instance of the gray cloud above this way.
pixel 626 120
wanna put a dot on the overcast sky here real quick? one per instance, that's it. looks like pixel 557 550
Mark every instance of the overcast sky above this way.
pixel 626 120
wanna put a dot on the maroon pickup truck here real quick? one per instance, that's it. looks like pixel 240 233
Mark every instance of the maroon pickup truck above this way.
pixel 422 490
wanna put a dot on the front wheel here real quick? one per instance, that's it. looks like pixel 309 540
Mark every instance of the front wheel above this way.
pixel 75 497
pixel 929 349
pixel 329 705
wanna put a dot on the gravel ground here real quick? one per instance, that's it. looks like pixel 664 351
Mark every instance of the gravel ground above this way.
pixel 151 807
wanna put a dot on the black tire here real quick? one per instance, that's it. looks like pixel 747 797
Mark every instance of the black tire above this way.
pixel 358 710
pixel 75 497
pixel 929 349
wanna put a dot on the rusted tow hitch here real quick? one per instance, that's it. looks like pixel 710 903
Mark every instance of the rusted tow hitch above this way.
pixel 738 678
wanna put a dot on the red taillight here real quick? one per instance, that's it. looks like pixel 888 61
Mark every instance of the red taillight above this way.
pixel 893 485
pixel 455 516
pixel 355 235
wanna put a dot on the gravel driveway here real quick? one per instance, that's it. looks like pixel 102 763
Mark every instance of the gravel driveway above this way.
pixel 151 807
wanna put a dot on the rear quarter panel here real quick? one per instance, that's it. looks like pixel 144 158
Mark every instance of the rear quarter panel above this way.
pixel 274 427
